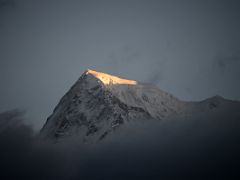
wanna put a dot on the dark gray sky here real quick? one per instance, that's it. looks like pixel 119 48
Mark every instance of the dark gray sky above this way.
pixel 188 48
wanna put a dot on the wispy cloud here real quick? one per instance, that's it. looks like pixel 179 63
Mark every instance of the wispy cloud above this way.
pixel 222 62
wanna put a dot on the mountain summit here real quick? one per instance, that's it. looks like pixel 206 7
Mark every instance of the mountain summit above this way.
pixel 108 79
pixel 99 104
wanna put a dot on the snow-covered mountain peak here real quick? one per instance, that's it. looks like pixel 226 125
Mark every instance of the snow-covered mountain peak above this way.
pixel 98 103
pixel 108 79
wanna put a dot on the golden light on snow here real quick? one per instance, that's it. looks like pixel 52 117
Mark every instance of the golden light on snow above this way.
pixel 109 79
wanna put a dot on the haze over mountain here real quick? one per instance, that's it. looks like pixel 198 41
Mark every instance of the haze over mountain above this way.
pixel 99 104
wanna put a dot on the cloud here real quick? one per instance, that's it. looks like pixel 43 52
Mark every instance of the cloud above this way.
pixel 22 155
pixel 182 148
pixel 155 77
pixel 222 62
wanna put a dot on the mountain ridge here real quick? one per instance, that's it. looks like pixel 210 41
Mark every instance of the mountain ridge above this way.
pixel 99 103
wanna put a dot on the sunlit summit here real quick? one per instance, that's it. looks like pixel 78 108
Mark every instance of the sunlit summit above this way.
pixel 108 79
